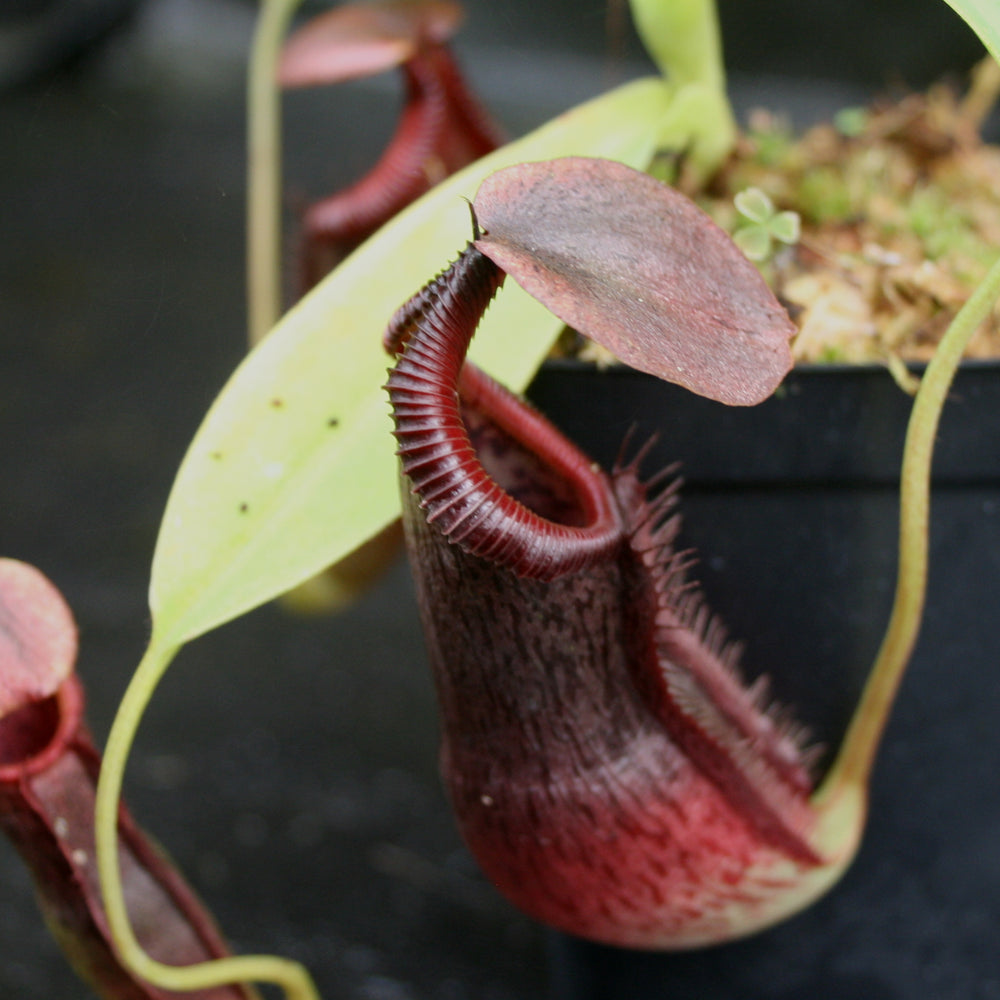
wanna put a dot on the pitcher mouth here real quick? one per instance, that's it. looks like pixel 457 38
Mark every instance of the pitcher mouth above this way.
pixel 531 460
pixel 506 486
pixel 34 736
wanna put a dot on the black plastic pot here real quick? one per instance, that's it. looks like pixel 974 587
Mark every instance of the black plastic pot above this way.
pixel 793 509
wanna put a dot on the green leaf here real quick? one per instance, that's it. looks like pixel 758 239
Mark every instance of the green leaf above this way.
pixel 293 466
pixel 787 227
pixel 754 205
pixel 983 16
pixel 755 242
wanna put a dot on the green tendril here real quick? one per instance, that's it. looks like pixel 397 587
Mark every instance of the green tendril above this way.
pixel 264 170
pixel 290 976
pixel 854 763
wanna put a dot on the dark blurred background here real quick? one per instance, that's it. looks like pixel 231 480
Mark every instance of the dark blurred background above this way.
pixel 915 40
pixel 289 765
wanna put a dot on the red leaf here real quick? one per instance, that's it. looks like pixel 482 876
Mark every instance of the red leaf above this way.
pixel 637 267
pixel 362 39
pixel 37 637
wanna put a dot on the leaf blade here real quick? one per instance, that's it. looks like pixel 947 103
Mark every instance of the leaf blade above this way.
pixel 636 266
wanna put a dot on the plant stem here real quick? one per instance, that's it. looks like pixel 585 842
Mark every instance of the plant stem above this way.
pixel 290 976
pixel 683 38
pixel 264 170
pixel 854 762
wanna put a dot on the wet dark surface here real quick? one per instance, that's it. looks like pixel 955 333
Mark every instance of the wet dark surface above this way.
pixel 289 765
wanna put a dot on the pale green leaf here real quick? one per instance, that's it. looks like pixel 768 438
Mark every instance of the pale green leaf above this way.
pixel 983 16
pixel 787 227
pixel 293 467
pixel 754 205
pixel 755 242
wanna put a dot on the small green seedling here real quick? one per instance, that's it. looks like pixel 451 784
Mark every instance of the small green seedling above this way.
pixel 764 225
